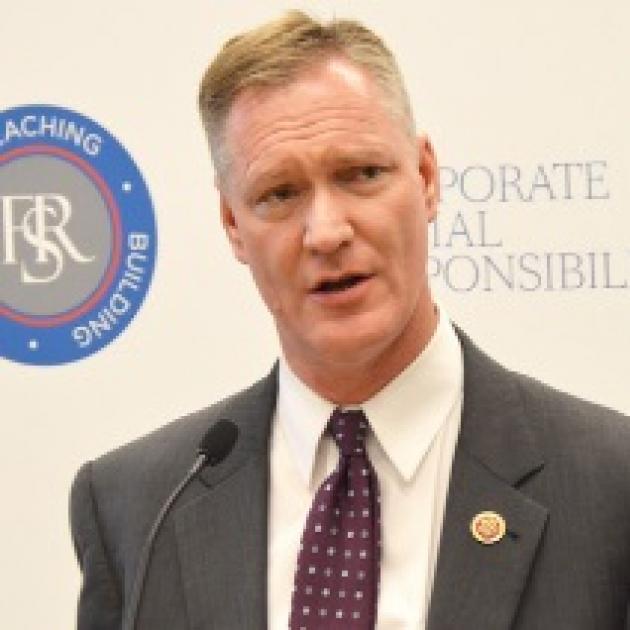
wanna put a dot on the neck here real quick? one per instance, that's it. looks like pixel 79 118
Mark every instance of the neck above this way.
pixel 353 382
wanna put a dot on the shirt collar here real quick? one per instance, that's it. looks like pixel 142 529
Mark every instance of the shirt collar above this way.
pixel 405 416
pixel 408 413
pixel 302 415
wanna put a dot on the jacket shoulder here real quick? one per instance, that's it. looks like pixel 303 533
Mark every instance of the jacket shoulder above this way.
pixel 126 487
pixel 586 446
pixel 173 446
pixel 571 435
pixel 570 418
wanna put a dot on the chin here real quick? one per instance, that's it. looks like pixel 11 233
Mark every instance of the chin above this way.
pixel 359 346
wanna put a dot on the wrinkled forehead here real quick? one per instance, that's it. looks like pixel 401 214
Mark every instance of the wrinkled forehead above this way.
pixel 334 89
pixel 327 108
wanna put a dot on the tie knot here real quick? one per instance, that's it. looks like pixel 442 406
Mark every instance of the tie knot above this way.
pixel 349 429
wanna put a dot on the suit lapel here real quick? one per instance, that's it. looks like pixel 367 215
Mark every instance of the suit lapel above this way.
pixel 221 530
pixel 480 586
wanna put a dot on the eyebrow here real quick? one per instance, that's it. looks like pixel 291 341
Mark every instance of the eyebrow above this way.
pixel 332 157
pixel 279 171
pixel 345 155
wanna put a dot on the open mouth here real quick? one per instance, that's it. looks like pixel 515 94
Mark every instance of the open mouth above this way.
pixel 341 284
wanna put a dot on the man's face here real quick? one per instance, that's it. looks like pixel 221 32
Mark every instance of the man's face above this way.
pixel 328 200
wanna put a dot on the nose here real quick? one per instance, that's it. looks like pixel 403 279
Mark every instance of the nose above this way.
pixel 326 228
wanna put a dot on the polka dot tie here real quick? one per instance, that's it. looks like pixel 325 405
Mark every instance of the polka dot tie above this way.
pixel 336 580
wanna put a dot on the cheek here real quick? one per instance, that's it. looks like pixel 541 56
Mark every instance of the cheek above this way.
pixel 405 254
pixel 262 269
pixel 274 269
pixel 410 237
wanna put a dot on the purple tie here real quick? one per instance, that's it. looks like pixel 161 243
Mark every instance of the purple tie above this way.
pixel 336 580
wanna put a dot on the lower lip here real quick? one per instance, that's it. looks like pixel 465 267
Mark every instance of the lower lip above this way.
pixel 344 297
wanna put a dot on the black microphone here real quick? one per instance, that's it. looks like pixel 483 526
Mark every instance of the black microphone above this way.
pixel 218 441
pixel 216 445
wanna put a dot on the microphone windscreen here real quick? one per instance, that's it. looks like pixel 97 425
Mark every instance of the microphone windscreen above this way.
pixel 218 441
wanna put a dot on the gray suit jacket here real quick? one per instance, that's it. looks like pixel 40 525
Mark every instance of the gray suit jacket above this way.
pixel 557 469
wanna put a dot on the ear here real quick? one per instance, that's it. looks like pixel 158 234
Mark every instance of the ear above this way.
pixel 232 230
pixel 430 174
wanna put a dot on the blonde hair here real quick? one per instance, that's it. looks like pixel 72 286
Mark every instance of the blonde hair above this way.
pixel 274 53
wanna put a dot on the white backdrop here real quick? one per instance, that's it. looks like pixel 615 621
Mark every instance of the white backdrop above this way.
pixel 504 89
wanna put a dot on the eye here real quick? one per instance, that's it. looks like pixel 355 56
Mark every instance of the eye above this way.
pixel 362 174
pixel 277 202
pixel 371 171
pixel 279 194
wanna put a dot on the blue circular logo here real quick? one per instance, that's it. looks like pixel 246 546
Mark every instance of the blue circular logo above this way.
pixel 77 236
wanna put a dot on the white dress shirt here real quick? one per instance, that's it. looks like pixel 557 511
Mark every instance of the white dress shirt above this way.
pixel 414 424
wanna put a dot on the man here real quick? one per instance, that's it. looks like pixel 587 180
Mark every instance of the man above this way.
pixel 467 497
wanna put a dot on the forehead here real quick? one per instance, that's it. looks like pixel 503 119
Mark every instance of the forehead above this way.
pixel 328 107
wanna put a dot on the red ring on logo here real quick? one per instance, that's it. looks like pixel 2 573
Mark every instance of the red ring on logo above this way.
pixel 114 263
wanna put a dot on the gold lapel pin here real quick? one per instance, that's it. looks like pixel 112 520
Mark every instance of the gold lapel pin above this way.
pixel 487 527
